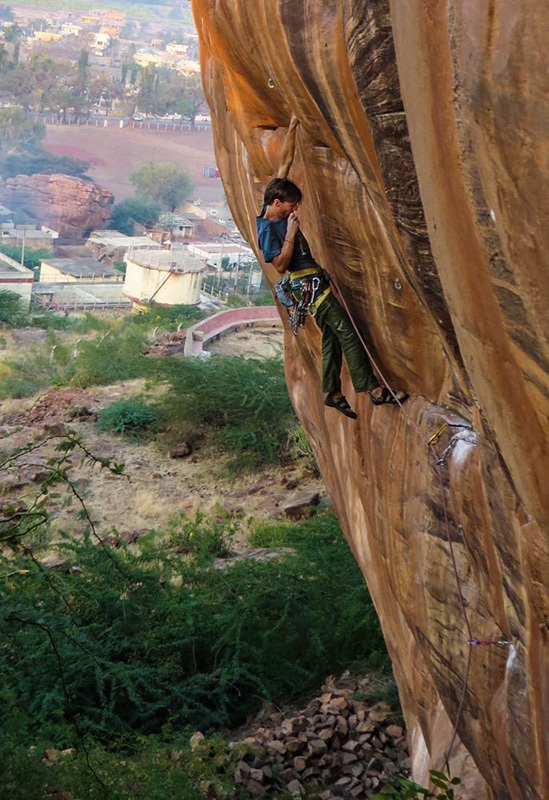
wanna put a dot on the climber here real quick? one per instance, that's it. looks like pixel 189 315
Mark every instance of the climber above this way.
pixel 285 247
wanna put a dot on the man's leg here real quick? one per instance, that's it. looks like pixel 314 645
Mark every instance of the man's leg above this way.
pixel 332 360
pixel 332 316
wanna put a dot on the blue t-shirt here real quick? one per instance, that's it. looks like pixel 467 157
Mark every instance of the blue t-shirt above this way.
pixel 270 235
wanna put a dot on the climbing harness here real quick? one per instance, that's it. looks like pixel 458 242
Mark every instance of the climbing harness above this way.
pixel 306 292
pixel 440 461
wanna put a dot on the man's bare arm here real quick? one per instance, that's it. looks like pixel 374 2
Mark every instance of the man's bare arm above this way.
pixel 288 150
pixel 282 260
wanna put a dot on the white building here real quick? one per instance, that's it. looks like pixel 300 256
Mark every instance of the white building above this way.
pixel 167 277
pixel 109 246
pixel 214 253
pixel 70 29
pixel 71 270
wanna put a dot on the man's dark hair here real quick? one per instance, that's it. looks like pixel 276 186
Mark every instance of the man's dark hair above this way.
pixel 284 190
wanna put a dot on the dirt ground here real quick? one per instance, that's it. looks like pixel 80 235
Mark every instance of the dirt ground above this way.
pixel 114 153
pixel 157 487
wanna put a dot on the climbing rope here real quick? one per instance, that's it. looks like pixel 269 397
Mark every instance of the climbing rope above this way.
pixel 440 461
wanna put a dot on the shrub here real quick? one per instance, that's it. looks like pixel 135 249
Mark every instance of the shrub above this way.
pixel 130 417
pixel 25 377
pixel 13 311
pixel 130 642
pixel 243 404
pixel 115 356
pixel 167 317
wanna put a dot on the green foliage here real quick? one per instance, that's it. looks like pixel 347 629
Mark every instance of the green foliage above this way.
pixel 110 662
pixel 166 183
pixel 151 770
pixel 126 643
pixel 32 257
pixel 201 537
pixel 44 365
pixel 131 417
pixel 408 790
pixel 300 450
pixel 17 131
pixel 114 356
pixel 12 310
pixel 40 161
pixel 242 403
pixel 167 317
pixel 132 210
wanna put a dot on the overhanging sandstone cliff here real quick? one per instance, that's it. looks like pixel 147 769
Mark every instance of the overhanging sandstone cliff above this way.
pixel 422 151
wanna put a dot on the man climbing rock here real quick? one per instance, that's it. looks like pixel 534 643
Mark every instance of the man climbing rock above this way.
pixel 308 287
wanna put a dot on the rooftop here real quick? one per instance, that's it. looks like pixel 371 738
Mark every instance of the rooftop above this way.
pixel 176 260
pixel 117 239
pixel 81 267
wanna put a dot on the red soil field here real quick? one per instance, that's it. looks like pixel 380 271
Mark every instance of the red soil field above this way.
pixel 114 153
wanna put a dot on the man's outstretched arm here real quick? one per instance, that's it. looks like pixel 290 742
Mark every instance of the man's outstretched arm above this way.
pixel 288 150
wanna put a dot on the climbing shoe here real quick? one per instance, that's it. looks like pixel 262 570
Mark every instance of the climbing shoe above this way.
pixel 341 404
pixel 386 396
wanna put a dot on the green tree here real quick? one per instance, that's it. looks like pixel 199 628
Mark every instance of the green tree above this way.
pixel 132 210
pixel 164 182
pixel 83 60
pixel 6 13
pixel 191 98
pixel 17 132
pixel 13 33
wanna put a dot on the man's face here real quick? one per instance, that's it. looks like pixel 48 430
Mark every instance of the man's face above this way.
pixel 284 209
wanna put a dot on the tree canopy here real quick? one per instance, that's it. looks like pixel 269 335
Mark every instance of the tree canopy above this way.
pixel 18 132
pixel 132 210
pixel 165 182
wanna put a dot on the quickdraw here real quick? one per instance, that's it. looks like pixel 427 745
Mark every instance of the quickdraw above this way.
pixel 304 293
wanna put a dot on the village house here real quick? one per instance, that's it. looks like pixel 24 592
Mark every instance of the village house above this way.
pixel 91 19
pixel 215 253
pixel 70 29
pixel 29 236
pixel 72 270
pixel 109 246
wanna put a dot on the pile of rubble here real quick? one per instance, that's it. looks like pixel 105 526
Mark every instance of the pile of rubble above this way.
pixel 344 746
pixel 167 344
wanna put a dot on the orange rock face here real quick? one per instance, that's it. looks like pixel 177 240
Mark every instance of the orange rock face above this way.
pixel 422 152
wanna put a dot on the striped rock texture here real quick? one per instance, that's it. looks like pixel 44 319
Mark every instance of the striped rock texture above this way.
pixel 422 150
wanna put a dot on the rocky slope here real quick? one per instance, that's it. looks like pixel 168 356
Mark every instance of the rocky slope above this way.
pixel 421 148
pixel 72 206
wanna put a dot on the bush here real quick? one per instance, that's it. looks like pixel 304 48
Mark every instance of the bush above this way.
pixel 115 356
pixel 130 417
pixel 129 643
pixel 242 403
pixel 167 317
pixel 13 311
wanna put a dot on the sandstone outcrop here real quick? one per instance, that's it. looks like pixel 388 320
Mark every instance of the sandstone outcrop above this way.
pixel 422 151
pixel 72 206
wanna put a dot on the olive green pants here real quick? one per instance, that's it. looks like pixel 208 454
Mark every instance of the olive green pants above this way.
pixel 339 339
